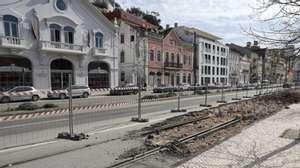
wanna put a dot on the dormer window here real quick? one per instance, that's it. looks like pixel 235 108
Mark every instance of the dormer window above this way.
pixel 10 26
pixel 55 32
pixel 69 34
pixel 99 40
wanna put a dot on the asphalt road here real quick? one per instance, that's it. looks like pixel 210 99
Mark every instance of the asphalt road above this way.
pixel 19 132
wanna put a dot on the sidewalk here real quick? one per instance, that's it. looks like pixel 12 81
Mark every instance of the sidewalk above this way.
pixel 258 146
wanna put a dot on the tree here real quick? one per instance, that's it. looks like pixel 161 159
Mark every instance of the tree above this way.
pixel 280 19
pixel 135 11
pixel 151 17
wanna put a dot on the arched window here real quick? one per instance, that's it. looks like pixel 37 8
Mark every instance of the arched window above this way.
pixel 99 40
pixel 55 32
pixel 69 34
pixel 122 57
pixel 11 26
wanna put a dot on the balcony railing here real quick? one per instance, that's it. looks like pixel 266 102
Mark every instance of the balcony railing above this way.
pixel 100 52
pixel 62 47
pixel 173 65
pixel 12 42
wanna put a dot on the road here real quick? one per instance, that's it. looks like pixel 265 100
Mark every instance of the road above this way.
pixel 20 132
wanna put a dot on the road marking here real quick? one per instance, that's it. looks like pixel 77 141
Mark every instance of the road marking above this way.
pixel 27 146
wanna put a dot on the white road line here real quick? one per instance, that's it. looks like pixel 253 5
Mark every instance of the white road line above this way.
pixel 27 146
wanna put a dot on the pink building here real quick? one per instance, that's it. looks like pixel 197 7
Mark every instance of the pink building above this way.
pixel 170 60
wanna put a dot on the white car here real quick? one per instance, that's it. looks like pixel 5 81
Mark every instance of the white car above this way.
pixel 77 91
pixel 20 93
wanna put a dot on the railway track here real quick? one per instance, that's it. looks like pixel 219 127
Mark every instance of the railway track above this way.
pixel 170 126
pixel 172 145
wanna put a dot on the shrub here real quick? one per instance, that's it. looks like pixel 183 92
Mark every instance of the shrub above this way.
pixel 50 106
pixel 28 106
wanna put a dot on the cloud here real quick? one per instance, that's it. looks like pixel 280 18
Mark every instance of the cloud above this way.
pixel 221 17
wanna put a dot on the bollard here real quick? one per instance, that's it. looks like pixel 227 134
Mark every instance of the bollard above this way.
pixel 205 98
pixel 222 95
pixel 179 109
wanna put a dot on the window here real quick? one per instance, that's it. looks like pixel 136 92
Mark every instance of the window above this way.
pixel 99 40
pixel 132 38
pixel 151 55
pixel 172 58
pixel 178 59
pixel 184 59
pixel 213 70
pixel 184 78
pixel 10 26
pixel 122 76
pixel 55 32
pixel 69 34
pixel 167 57
pixel 61 5
pixel 218 71
pixel 122 39
pixel 122 57
pixel 190 60
pixel 158 56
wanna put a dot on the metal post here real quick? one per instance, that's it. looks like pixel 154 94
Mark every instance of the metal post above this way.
pixel 205 97
pixel 222 95
pixel 236 93
pixel 139 99
pixel 70 107
pixel 178 105
pixel 139 118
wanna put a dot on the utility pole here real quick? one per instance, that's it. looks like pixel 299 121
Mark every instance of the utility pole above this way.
pixel 195 60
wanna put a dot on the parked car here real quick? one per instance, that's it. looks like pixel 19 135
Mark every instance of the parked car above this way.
pixel 20 93
pixel 197 87
pixel 124 90
pixel 184 86
pixel 77 91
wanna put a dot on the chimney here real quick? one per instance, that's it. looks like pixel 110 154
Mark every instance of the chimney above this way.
pixel 175 24
pixel 248 44
pixel 255 43
pixel 167 26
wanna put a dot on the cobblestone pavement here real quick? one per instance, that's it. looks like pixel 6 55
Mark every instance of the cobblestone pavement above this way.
pixel 258 146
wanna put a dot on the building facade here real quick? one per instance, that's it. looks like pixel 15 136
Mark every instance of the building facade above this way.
pixel 133 46
pixel 211 56
pixel 178 60
pixel 239 65
pixel 155 60
pixel 42 43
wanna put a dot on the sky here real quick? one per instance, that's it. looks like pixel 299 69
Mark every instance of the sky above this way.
pixel 227 19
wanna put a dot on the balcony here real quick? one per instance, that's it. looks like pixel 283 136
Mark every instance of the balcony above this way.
pixel 173 65
pixel 50 46
pixel 12 42
pixel 98 52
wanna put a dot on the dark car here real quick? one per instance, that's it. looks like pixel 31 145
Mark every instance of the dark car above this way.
pixel 124 91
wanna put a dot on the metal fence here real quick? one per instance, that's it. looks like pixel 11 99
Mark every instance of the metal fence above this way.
pixel 101 111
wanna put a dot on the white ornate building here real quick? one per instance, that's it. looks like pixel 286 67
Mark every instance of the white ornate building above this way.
pixel 44 41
